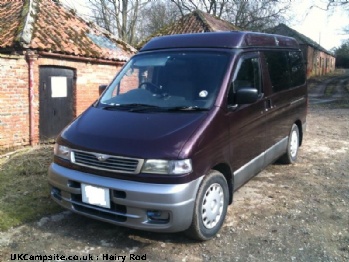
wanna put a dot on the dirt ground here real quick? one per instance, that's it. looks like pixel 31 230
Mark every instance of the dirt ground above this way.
pixel 286 213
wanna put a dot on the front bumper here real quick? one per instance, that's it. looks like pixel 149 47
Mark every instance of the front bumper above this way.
pixel 152 207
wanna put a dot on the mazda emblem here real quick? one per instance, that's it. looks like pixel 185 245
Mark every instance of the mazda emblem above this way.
pixel 102 157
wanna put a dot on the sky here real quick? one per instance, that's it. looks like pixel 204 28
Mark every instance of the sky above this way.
pixel 323 27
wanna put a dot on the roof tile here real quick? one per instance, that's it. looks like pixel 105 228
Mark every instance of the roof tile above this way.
pixel 10 18
pixel 55 29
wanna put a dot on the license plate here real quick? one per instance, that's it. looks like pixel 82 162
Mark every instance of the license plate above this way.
pixel 97 196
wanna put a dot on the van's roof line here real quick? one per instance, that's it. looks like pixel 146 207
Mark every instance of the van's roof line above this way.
pixel 231 39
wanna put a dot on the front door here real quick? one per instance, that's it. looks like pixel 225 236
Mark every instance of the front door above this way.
pixel 56 100
pixel 247 122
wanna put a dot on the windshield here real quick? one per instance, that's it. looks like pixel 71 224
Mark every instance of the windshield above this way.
pixel 182 80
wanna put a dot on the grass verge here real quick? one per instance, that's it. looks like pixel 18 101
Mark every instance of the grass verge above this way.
pixel 24 192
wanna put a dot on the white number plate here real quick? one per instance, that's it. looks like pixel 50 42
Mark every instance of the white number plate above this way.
pixel 97 196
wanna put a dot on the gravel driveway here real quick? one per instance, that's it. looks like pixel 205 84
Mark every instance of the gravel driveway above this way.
pixel 286 213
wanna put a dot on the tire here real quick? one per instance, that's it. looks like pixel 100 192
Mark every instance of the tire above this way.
pixel 210 207
pixel 290 157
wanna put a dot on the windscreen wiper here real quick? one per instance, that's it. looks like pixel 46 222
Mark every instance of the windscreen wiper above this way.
pixel 136 107
pixel 130 107
pixel 186 108
pixel 141 107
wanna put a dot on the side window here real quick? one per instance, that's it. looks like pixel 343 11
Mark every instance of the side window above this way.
pixel 278 70
pixel 248 75
pixel 297 68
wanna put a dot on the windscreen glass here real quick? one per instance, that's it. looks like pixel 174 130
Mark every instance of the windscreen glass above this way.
pixel 188 80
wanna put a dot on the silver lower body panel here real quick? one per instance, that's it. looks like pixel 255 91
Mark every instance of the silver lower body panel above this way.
pixel 145 206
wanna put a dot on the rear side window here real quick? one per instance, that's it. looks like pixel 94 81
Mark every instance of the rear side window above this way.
pixel 286 69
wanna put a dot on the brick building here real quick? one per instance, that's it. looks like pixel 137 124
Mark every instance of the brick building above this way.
pixel 51 64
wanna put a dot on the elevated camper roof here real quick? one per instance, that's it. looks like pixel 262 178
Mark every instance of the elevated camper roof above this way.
pixel 232 39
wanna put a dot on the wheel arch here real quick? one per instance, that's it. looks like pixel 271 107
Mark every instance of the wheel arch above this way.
pixel 225 170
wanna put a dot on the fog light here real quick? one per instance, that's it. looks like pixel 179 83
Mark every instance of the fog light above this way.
pixel 158 217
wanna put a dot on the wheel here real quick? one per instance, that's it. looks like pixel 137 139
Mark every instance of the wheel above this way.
pixel 290 157
pixel 210 207
pixel 150 87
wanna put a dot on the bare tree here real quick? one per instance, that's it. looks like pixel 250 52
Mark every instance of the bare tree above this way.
pixel 247 15
pixel 118 16
pixel 256 15
pixel 133 20
pixel 213 7
pixel 156 16
pixel 329 5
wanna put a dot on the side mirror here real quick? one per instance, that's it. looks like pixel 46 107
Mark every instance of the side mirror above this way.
pixel 102 88
pixel 246 95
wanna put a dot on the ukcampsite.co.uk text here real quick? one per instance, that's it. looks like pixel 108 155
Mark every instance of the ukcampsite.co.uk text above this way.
pixel 89 257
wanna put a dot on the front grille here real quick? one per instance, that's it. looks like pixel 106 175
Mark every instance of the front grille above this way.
pixel 107 162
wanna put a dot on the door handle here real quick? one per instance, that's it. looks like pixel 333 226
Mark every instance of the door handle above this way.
pixel 268 104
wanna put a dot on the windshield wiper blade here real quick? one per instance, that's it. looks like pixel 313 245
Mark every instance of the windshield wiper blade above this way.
pixel 109 107
pixel 145 107
pixel 142 107
pixel 187 108
pixel 130 107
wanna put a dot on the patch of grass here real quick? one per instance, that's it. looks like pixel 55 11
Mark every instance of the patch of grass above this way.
pixel 24 191
pixel 344 103
pixel 329 89
pixel 315 80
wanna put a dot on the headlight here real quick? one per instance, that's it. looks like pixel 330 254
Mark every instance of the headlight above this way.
pixel 171 167
pixel 62 151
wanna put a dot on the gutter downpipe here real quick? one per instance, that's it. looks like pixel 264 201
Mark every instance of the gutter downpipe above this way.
pixel 24 38
pixel 30 59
